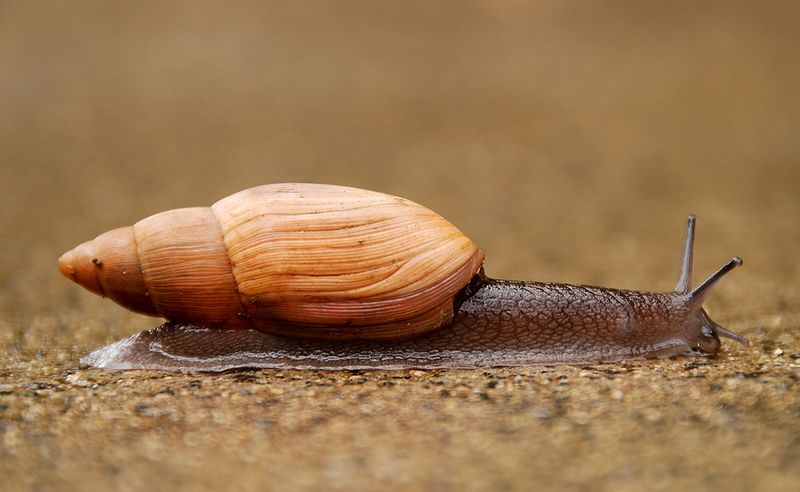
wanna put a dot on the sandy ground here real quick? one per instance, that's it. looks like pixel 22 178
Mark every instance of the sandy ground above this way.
pixel 568 139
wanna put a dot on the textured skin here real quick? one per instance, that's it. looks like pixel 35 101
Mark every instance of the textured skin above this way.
pixel 501 323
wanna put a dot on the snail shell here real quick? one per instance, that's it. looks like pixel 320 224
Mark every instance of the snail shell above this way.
pixel 307 260
pixel 360 279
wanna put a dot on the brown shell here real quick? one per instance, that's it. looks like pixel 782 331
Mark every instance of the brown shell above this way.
pixel 306 260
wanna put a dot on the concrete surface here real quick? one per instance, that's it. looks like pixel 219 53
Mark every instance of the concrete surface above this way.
pixel 569 139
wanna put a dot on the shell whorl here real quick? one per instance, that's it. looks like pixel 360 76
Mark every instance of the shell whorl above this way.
pixel 306 260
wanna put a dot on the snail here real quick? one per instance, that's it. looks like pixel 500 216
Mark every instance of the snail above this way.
pixel 330 277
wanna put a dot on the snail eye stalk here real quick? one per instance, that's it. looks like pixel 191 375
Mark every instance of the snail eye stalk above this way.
pixel 700 293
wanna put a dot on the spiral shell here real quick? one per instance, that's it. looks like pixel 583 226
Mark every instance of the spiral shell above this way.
pixel 307 260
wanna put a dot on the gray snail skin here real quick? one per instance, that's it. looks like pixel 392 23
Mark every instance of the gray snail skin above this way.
pixel 308 276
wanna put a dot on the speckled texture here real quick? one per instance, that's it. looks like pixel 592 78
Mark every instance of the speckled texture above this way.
pixel 569 140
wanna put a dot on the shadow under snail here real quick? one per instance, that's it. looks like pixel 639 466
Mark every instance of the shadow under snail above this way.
pixel 314 276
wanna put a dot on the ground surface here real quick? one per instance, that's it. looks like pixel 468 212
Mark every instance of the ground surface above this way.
pixel 569 140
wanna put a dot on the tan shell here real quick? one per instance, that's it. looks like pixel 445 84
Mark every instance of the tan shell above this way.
pixel 307 260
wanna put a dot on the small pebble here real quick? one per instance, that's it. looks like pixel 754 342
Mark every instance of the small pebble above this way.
pixel 77 381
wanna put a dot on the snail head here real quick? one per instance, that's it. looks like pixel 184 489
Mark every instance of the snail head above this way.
pixel 701 331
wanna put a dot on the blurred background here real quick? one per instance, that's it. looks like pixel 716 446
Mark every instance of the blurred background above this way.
pixel 559 135
pixel 569 139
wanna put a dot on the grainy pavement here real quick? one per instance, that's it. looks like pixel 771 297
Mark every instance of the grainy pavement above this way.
pixel 568 139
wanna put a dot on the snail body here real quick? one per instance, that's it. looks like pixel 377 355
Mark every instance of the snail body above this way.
pixel 330 277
